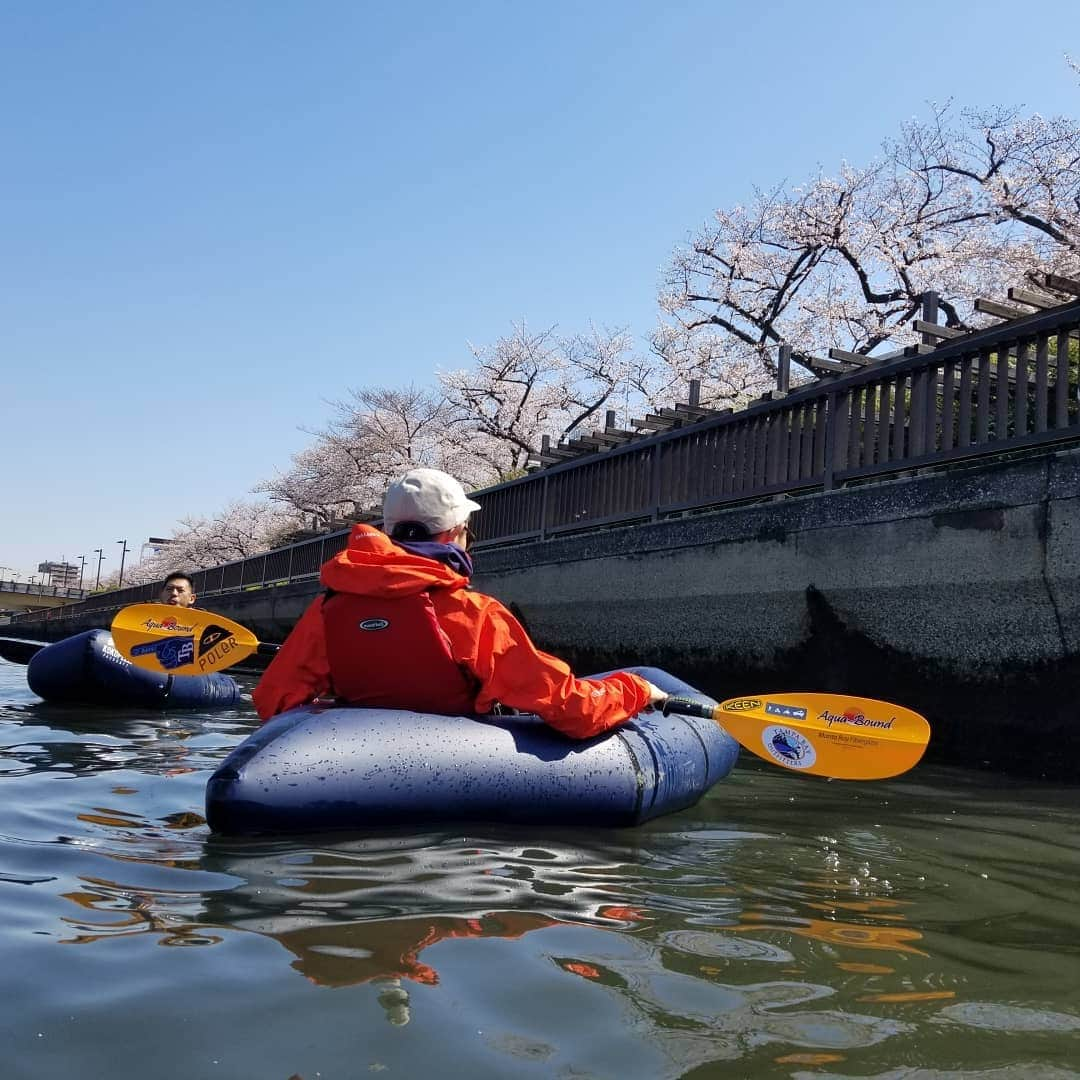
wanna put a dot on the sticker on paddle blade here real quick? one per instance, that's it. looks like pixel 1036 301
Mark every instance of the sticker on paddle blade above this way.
pixel 215 645
pixel 167 622
pixel 854 717
pixel 787 747
pixel 779 708
pixel 211 636
pixel 171 652
pixel 742 705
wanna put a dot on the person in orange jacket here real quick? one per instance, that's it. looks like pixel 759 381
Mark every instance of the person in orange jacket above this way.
pixel 398 627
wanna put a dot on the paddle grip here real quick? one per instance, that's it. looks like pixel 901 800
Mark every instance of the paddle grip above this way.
pixel 688 706
pixel 267 649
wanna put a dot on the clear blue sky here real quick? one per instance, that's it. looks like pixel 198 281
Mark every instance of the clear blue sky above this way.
pixel 216 217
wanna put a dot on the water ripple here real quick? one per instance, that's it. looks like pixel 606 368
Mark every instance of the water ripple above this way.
pixel 781 924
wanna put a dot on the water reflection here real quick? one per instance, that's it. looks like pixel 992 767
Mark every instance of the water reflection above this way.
pixel 373 910
pixel 780 925
pixel 111 910
pixel 361 910
pixel 356 910
pixel 41 736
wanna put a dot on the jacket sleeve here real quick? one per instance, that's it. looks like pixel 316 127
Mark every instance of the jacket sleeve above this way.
pixel 511 669
pixel 300 672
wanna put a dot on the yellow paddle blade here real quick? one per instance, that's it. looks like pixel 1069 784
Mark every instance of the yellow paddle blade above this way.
pixel 180 641
pixel 836 735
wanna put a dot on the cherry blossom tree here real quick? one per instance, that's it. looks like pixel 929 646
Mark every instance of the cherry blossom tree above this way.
pixel 239 530
pixel 377 433
pixel 725 380
pixel 1025 173
pixel 527 385
pixel 964 206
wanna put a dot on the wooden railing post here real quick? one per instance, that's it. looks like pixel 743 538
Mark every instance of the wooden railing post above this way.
pixel 929 314
pixel 654 512
pixel 830 441
pixel 783 369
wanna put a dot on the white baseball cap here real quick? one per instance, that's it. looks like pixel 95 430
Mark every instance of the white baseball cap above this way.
pixel 429 496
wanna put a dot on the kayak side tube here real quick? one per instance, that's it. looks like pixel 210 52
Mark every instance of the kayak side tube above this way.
pixel 313 769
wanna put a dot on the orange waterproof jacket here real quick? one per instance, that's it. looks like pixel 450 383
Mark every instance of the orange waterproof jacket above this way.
pixel 483 638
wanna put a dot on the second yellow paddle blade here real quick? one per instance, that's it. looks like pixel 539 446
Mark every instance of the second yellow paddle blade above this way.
pixel 180 641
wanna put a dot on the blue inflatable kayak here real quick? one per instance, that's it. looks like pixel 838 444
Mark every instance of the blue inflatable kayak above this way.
pixel 318 768
pixel 86 669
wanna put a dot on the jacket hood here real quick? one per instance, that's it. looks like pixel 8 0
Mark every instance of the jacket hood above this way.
pixel 373 565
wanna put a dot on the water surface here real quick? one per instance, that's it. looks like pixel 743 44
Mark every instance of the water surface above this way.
pixel 786 926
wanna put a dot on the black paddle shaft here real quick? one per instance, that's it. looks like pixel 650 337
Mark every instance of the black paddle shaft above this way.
pixel 688 706
pixel 19 652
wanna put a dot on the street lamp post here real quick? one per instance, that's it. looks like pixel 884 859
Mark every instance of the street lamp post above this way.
pixel 100 556
pixel 82 567
pixel 123 555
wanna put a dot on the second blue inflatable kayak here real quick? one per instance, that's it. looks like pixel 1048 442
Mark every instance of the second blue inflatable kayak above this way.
pixel 86 669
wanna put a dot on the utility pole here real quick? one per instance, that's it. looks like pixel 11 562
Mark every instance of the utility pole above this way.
pixel 123 555
pixel 82 567
pixel 100 556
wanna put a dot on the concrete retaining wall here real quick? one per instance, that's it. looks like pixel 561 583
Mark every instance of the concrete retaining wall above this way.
pixel 955 594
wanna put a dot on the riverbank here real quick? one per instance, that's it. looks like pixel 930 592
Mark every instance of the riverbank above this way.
pixel 955 593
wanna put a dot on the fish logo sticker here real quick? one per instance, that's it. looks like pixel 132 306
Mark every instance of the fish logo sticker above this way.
pixel 787 747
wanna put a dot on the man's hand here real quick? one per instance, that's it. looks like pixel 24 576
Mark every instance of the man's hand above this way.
pixel 657 697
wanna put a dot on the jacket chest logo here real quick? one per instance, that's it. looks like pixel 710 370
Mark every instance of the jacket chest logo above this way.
pixel 374 624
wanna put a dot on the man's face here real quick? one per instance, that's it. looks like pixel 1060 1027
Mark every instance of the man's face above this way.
pixel 178 593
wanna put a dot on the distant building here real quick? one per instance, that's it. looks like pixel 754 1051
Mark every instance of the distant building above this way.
pixel 60 573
